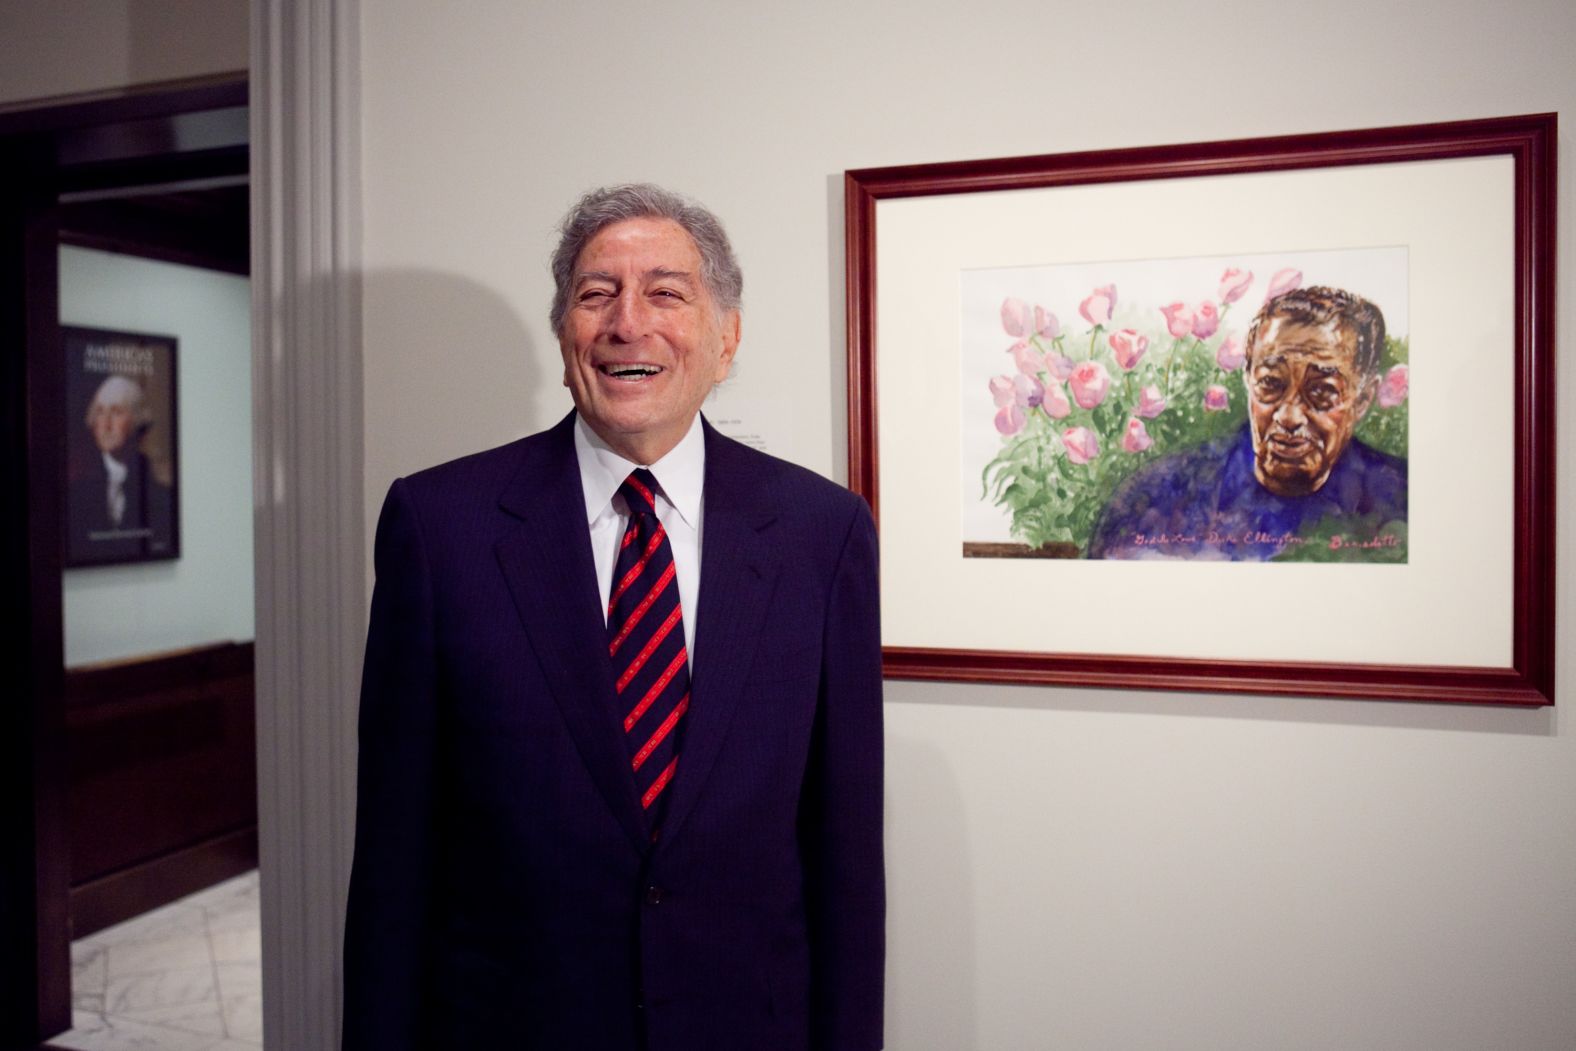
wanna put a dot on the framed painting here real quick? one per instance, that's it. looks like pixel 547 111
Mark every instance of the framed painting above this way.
pixel 1270 415
pixel 122 458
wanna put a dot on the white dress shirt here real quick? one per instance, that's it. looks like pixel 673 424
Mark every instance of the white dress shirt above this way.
pixel 680 476
pixel 115 494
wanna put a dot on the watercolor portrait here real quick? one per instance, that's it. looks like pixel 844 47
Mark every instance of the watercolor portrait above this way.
pixel 1227 409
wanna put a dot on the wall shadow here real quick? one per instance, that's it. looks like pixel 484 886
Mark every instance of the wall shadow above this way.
pixel 477 383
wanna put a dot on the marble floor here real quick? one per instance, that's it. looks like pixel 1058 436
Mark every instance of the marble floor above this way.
pixel 185 977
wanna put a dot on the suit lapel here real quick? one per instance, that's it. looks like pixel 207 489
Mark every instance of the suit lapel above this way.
pixel 738 569
pixel 552 577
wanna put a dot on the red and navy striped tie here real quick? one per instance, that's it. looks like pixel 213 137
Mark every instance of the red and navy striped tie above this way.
pixel 646 642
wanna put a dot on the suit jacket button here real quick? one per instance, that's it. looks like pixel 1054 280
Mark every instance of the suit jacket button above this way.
pixel 653 895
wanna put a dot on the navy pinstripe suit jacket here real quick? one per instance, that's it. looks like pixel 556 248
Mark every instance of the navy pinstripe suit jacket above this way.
pixel 504 893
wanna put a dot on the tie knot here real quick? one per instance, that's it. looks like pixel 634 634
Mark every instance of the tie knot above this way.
pixel 640 492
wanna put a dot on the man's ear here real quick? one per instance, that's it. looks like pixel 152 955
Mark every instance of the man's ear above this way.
pixel 732 329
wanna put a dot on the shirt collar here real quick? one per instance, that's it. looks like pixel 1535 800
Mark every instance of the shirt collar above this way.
pixel 681 473
pixel 118 471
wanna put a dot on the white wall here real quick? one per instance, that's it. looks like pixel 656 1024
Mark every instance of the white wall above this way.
pixel 205 595
pixel 1068 868
pixel 58 47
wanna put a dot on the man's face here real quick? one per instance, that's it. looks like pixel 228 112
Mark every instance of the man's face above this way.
pixel 1305 395
pixel 642 340
pixel 113 423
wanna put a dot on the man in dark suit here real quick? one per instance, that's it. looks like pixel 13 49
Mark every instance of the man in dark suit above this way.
pixel 620 769
pixel 1294 479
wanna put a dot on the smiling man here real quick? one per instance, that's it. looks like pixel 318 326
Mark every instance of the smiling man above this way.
pixel 643 338
pixel 620 771
pixel 1294 474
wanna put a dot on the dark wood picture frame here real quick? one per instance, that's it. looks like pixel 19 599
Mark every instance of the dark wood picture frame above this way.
pixel 130 376
pixel 1528 141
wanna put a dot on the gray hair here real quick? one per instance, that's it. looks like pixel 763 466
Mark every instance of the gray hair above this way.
pixel 122 390
pixel 603 207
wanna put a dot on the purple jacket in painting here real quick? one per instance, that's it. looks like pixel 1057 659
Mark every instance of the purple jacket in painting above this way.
pixel 1206 503
pixel 506 892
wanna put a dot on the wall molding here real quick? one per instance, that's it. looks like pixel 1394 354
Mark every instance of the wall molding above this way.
pixel 311 596
pixel 158 881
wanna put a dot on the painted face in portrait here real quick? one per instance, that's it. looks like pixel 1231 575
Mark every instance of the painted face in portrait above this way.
pixel 113 416
pixel 642 340
pixel 1305 397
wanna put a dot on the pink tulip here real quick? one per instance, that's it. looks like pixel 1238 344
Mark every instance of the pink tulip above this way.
pixel 1001 390
pixel 1089 382
pixel 1150 403
pixel 1082 445
pixel 1098 307
pixel 1013 395
pixel 1027 391
pixel 1045 323
pixel 1059 365
pixel 1015 317
pixel 1129 347
pixel 1283 281
pixel 1233 283
pixel 1216 399
pixel 1056 405
pixel 1392 391
pixel 1030 362
pixel 1205 320
pixel 1229 355
pixel 1009 419
pixel 1137 439
pixel 1179 320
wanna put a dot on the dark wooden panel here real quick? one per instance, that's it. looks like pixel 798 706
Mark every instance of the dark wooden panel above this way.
pixel 35 994
pixel 112 682
pixel 161 880
pixel 120 105
pixel 161 765
pixel 196 227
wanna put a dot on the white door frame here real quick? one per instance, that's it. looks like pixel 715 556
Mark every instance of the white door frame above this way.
pixel 308 497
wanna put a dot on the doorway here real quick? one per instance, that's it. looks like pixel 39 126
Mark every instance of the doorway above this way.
pixel 133 756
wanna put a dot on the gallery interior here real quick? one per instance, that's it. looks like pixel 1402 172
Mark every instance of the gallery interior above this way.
pixel 340 213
